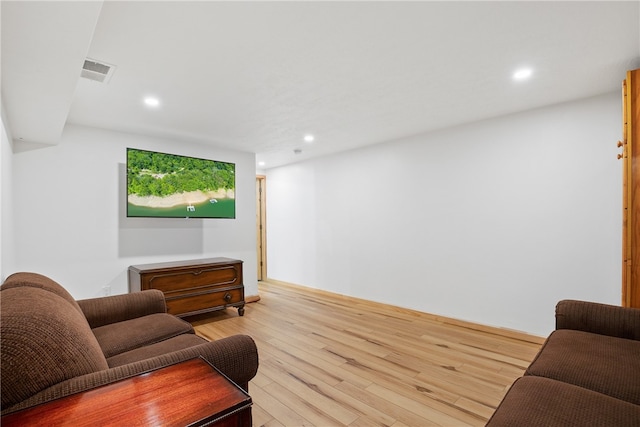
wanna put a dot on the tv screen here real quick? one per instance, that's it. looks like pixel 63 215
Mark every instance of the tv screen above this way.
pixel 172 186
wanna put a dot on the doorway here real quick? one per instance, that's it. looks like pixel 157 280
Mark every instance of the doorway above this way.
pixel 261 227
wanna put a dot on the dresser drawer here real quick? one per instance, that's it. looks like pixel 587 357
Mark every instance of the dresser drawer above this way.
pixel 194 304
pixel 176 281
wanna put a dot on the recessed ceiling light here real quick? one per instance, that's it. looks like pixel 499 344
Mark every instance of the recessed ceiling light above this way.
pixel 150 101
pixel 522 74
pixel 261 163
pixel 308 138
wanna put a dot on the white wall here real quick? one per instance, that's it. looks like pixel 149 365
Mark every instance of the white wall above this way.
pixel 492 222
pixel 70 220
pixel 6 200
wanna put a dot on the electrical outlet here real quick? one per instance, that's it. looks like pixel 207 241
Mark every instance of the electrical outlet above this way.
pixel 106 290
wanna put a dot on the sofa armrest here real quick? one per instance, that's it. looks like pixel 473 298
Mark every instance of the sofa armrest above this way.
pixel 235 356
pixel 117 308
pixel 603 319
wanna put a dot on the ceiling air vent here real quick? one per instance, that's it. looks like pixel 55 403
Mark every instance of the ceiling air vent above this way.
pixel 97 71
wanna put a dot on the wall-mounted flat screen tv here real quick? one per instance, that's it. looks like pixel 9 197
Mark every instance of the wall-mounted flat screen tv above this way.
pixel 172 186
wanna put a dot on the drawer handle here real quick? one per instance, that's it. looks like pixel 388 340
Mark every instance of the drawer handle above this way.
pixel 227 297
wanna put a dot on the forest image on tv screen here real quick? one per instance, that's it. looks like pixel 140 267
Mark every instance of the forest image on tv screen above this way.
pixel 168 185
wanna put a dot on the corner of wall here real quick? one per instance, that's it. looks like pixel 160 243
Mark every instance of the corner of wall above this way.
pixel 6 195
pixel 5 124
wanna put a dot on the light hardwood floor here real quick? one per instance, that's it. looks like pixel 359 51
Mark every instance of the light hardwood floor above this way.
pixel 330 360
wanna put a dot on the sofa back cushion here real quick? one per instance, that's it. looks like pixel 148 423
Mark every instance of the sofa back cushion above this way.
pixel 44 339
pixel 36 280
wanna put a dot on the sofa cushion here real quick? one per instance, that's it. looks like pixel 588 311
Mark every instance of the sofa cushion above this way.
pixel 598 318
pixel 44 341
pixel 539 401
pixel 153 350
pixel 39 281
pixel 600 363
pixel 131 334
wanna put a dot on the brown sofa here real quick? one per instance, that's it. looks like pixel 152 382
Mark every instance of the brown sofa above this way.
pixel 53 346
pixel 587 373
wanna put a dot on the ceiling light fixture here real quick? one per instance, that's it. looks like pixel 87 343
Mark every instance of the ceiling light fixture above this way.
pixel 151 101
pixel 308 138
pixel 522 74
pixel 261 163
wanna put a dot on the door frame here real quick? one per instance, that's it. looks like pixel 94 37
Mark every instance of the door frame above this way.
pixel 261 226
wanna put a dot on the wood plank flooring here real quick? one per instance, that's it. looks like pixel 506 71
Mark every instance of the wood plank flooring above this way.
pixel 330 360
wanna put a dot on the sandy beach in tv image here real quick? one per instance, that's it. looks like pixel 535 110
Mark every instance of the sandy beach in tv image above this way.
pixel 180 199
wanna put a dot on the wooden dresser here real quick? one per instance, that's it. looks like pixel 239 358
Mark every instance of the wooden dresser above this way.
pixel 193 286
pixel 190 393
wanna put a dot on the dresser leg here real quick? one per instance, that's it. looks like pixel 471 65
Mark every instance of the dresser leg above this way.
pixel 241 311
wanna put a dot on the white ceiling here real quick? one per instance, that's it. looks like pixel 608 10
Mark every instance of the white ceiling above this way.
pixel 258 76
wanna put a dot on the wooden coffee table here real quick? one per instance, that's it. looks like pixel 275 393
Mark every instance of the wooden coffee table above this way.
pixel 187 393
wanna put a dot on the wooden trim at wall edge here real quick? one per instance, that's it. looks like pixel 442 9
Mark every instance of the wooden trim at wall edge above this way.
pixel 505 332
pixel 251 298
